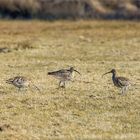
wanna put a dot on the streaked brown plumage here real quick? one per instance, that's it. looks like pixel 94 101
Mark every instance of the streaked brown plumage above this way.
pixel 120 82
pixel 63 75
pixel 21 82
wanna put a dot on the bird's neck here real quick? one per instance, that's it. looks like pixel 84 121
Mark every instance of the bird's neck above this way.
pixel 71 71
pixel 113 76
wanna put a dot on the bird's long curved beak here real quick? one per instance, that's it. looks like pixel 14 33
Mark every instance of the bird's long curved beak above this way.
pixel 106 73
pixel 77 72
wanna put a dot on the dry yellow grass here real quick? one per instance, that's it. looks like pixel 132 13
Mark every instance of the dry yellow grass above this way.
pixel 90 107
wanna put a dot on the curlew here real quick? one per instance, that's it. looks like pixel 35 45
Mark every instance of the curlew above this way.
pixel 120 82
pixel 21 82
pixel 63 75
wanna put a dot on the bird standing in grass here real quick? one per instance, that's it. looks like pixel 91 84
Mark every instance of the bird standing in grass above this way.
pixel 63 75
pixel 120 82
pixel 21 82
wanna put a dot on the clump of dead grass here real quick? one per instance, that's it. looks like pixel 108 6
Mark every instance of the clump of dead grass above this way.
pixel 24 45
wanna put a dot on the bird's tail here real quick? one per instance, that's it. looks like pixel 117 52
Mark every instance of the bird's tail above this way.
pixel 51 73
pixel 134 85
pixel 9 81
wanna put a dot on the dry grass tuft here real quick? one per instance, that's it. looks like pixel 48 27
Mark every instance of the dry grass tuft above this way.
pixel 26 44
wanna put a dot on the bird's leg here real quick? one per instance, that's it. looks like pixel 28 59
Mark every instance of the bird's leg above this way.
pixel 63 84
pixel 19 89
pixel 22 89
pixel 25 89
pixel 123 90
pixel 60 84
pixel 127 87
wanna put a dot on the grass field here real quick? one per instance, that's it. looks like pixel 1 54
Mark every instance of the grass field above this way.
pixel 90 107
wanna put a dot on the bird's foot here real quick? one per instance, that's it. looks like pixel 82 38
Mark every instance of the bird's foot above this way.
pixel 61 87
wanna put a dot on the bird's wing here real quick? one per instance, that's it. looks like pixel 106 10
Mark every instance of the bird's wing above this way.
pixel 63 72
pixel 20 79
pixel 57 73
pixel 123 81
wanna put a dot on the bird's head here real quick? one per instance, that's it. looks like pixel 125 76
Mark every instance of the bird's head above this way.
pixel 113 71
pixel 72 69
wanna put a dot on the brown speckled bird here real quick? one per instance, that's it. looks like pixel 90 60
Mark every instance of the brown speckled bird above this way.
pixel 63 75
pixel 120 82
pixel 21 82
